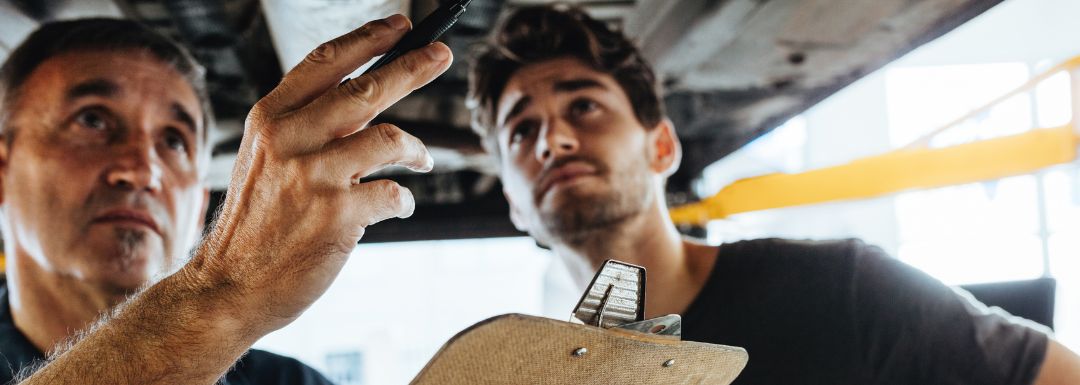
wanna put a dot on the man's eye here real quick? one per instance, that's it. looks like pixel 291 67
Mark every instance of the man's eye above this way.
pixel 522 131
pixel 92 119
pixel 582 106
pixel 176 141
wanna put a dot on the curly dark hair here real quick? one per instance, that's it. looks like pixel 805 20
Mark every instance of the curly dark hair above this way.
pixel 539 33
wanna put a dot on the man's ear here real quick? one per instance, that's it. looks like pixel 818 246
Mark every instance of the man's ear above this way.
pixel 515 215
pixel 665 151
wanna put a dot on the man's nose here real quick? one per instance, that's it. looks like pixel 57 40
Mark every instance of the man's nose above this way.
pixel 135 166
pixel 557 139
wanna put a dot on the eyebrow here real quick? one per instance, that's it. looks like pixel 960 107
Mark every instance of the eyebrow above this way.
pixel 519 106
pixel 576 84
pixel 562 86
pixel 108 89
pixel 179 113
pixel 94 87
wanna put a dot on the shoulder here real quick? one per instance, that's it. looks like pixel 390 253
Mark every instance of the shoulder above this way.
pixel 776 255
pixel 827 273
pixel 262 367
pixel 792 274
pixel 795 248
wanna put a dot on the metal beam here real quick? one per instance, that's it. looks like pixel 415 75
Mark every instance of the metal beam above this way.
pixel 765 76
pixel 680 36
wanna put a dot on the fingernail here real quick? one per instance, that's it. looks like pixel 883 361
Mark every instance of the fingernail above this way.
pixel 409 202
pixel 437 53
pixel 429 163
pixel 397 22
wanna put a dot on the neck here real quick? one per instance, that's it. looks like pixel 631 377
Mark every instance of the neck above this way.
pixel 50 308
pixel 677 269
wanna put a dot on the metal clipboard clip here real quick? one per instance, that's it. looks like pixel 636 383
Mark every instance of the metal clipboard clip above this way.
pixel 616 300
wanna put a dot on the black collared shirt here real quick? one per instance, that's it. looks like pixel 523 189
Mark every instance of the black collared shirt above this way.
pixel 255 368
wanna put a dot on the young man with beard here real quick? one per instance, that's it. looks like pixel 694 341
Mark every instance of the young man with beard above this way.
pixel 571 111
pixel 102 193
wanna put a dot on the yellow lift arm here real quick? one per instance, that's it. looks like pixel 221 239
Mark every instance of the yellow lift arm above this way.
pixel 908 168
pixel 892 172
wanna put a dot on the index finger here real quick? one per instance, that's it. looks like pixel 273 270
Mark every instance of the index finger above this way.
pixel 350 106
pixel 325 66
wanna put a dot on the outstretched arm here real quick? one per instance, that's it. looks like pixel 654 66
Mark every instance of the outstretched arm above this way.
pixel 293 213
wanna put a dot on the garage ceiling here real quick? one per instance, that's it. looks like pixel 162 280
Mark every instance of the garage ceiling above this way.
pixel 733 70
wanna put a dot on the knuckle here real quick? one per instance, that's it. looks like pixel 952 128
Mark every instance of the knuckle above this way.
pixel 268 137
pixel 260 112
pixel 302 165
pixel 370 31
pixel 324 53
pixel 299 169
pixel 391 135
pixel 269 125
pixel 412 65
pixel 391 192
pixel 340 198
pixel 263 132
pixel 312 173
pixel 361 90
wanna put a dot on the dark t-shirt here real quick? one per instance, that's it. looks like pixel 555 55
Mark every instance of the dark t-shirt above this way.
pixel 255 368
pixel 842 312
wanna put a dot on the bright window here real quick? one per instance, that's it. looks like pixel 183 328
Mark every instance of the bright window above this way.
pixel 1015 228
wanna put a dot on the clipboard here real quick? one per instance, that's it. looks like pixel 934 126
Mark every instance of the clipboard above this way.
pixel 522 349
pixel 606 341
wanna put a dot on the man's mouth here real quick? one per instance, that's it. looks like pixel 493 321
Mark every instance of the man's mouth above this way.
pixel 565 174
pixel 128 217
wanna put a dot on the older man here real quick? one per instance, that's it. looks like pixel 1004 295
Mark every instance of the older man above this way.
pixel 105 152
pixel 572 112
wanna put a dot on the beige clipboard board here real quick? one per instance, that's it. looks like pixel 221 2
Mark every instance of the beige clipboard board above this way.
pixel 521 349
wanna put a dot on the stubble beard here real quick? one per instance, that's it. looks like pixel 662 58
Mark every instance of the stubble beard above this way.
pixel 128 261
pixel 588 220
pixel 128 242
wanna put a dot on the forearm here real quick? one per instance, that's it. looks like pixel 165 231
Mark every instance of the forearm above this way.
pixel 174 332
pixel 295 209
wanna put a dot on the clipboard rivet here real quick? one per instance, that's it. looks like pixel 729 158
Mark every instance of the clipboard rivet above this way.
pixel 669 363
pixel 580 352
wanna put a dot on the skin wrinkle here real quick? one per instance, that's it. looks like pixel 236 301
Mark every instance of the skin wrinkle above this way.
pixel 224 233
pixel 220 236
pixel 228 232
pixel 271 238
pixel 583 214
pixel 678 267
pixel 74 265
pixel 283 234
pixel 619 214
pixel 584 222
